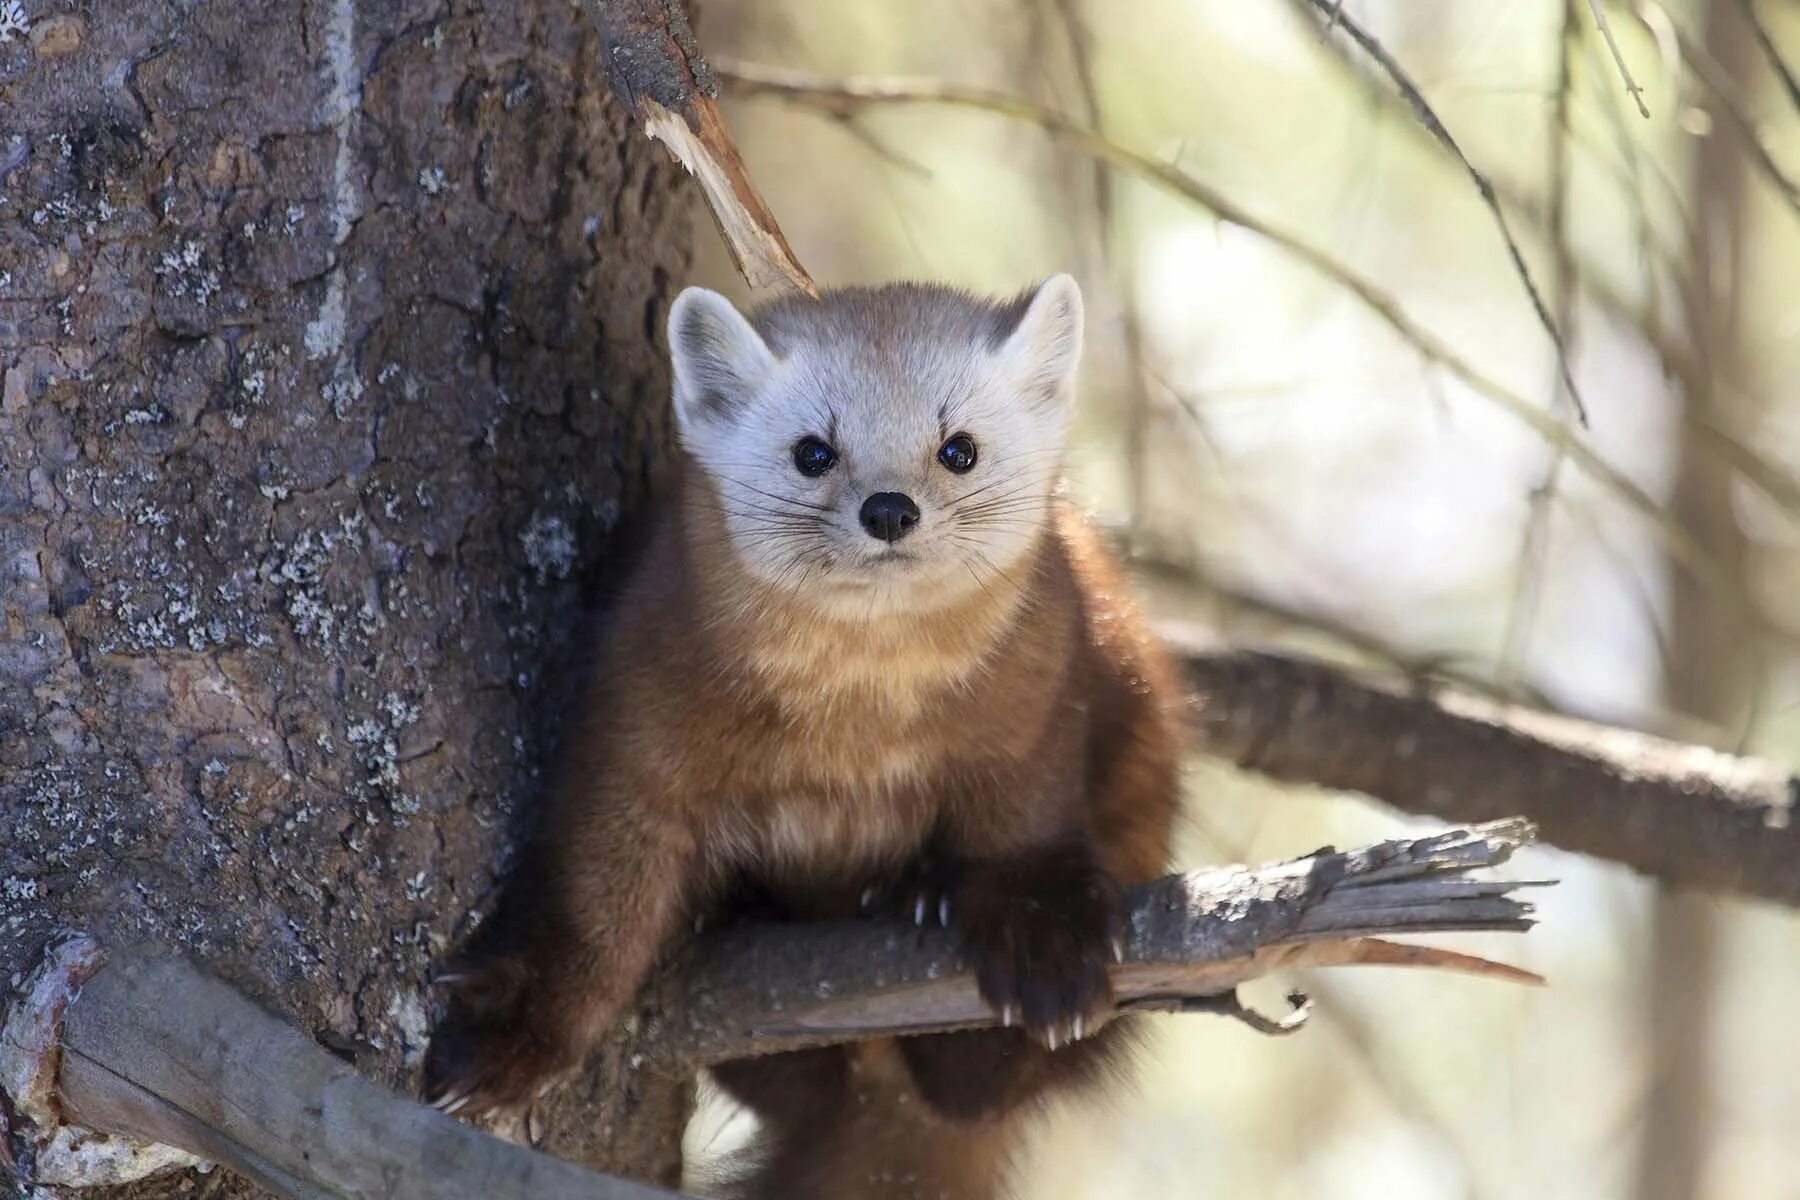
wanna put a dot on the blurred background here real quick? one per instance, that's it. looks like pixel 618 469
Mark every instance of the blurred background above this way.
pixel 1318 401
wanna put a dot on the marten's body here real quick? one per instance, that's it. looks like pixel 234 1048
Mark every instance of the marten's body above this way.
pixel 980 728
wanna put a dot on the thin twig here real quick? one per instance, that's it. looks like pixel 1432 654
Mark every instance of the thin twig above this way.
pixel 1656 260
pixel 1423 669
pixel 1131 333
pixel 1618 57
pixel 1534 544
pixel 1760 471
pixel 1427 116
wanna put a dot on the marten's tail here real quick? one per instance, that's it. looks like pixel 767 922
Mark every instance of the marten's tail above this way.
pixel 937 1117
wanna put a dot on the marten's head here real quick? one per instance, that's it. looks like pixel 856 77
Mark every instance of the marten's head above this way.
pixel 879 448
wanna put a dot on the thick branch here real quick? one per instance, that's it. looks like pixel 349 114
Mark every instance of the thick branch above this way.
pixel 767 988
pixel 1685 814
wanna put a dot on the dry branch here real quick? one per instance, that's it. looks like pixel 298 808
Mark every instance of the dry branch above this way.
pixel 152 1049
pixel 763 989
pixel 1688 815
pixel 658 73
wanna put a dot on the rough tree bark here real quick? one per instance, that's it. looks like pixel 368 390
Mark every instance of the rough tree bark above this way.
pixel 331 340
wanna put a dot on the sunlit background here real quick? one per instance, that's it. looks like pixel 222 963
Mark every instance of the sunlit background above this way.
pixel 1334 424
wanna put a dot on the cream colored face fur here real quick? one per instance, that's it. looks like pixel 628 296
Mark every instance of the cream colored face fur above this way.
pixel 884 376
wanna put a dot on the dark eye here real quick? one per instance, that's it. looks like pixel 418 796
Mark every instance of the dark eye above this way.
pixel 812 458
pixel 958 454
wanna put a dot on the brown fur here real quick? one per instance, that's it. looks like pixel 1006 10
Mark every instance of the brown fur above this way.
pixel 1016 753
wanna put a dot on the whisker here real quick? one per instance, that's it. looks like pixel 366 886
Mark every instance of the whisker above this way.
pixel 794 500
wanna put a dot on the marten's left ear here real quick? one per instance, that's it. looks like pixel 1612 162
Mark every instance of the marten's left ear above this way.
pixel 1044 347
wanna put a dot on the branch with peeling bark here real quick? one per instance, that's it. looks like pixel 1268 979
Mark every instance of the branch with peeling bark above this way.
pixel 145 1062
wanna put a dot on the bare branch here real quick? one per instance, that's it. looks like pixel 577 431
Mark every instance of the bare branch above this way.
pixel 155 1054
pixel 1130 326
pixel 1759 470
pixel 1685 814
pixel 1534 542
pixel 1427 116
pixel 1732 106
pixel 1422 668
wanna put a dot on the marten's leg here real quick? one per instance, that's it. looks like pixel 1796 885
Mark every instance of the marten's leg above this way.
pixel 1040 928
pixel 607 883
pixel 1034 891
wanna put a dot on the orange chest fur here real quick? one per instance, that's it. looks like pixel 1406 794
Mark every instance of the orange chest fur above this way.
pixel 837 748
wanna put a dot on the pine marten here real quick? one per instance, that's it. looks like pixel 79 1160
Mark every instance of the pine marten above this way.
pixel 867 643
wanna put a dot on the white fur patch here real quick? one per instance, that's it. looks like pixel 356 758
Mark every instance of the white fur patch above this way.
pixel 885 397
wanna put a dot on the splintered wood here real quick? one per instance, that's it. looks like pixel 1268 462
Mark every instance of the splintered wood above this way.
pixel 764 989
pixel 656 70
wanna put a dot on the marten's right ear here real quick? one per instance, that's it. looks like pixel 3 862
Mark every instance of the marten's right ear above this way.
pixel 720 361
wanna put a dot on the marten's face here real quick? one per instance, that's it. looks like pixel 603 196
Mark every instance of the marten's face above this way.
pixel 884 450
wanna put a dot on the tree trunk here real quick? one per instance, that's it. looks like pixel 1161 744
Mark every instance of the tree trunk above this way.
pixel 1710 672
pixel 332 348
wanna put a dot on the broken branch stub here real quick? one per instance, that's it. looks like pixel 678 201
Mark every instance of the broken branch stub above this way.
pixel 655 69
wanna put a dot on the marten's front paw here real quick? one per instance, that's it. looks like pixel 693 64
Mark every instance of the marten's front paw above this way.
pixel 497 1050
pixel 1040 932
pixel 921 893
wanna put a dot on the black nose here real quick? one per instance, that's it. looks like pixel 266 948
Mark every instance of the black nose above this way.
pixel 889 516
